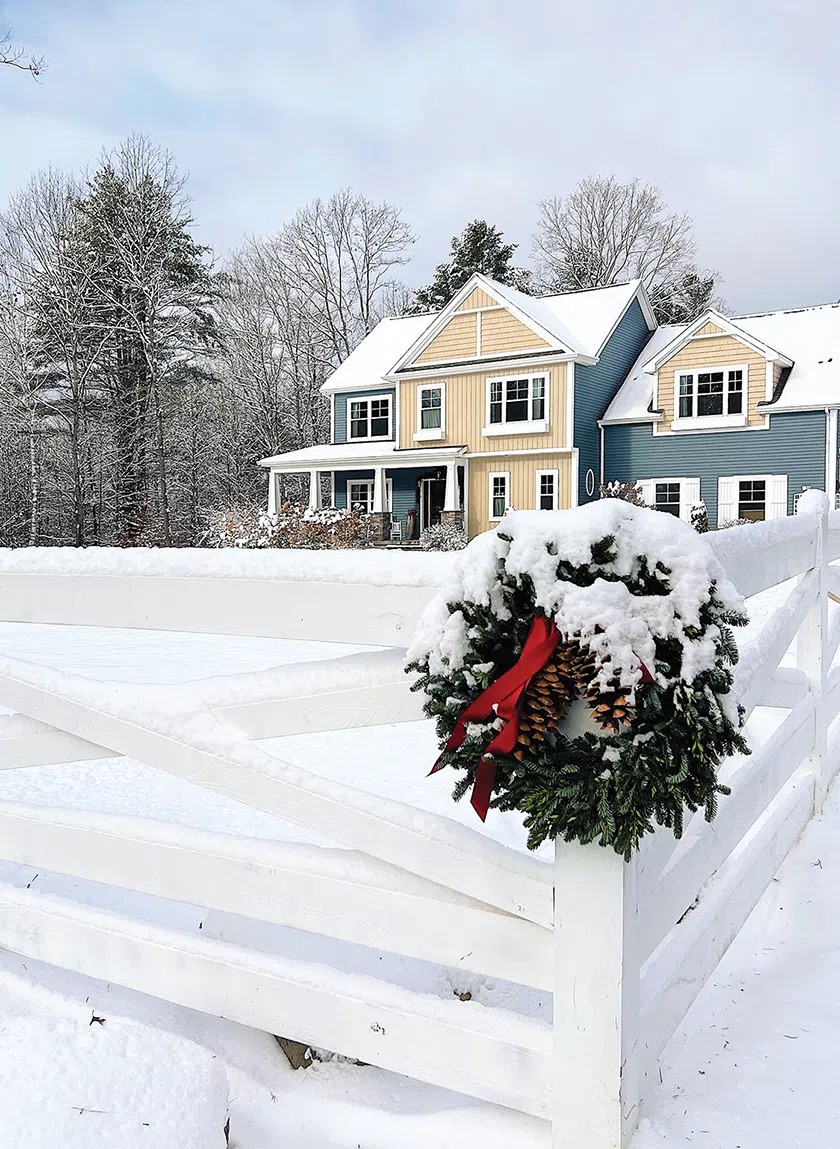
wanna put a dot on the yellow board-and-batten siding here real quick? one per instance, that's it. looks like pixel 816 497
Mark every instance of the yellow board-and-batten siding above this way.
pixel 707 354
pixel 466 409
pixel 523 484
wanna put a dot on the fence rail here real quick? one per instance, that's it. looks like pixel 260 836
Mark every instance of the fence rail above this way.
pixel 624 948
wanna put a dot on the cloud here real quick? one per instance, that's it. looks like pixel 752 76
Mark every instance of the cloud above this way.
pixel 458 109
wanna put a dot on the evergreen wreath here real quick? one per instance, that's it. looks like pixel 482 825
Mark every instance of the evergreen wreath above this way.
pixel 641 614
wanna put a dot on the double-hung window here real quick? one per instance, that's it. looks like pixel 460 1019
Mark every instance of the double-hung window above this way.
pixel 714 397
pixel 499 494
pixel 752 499
pixel 667 498
pixel 370 418
pixel 431 411
pixel 520 401
pixel 547 490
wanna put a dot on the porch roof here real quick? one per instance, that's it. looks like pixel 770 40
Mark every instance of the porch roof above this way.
pixel 345 456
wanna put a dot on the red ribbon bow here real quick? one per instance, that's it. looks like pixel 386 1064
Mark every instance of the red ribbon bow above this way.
pixel 503 699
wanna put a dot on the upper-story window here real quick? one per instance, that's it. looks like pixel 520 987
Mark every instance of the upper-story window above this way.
pixel 431 411
pixel 370 418
pixel 713 398
pixel 517 405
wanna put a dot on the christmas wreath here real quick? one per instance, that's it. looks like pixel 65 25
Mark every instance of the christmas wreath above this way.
pixel 578 668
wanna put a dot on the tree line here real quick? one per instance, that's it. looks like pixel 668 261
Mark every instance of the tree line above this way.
pixel 141 380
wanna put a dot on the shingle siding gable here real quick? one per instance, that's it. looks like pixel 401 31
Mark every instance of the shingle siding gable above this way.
pixel 596 386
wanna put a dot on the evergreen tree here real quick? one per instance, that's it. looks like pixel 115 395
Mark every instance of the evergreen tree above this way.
pixel 479 247
pixel 683 300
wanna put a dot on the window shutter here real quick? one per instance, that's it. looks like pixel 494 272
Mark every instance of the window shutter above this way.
pixel 689 497
pixel 648 489
pixel 777 500
pixel 727 500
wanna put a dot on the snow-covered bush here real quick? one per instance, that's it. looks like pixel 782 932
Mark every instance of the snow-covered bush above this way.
pixel 630 492
pixel 700 518
pixel 328 528
pixel 237 526
pixel 443 537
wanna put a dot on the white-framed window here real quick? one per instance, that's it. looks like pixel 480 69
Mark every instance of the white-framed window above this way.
pixel 431 411
pixel 672 496
pixel 752 497
pixel 499 494
pixel 548 487
pixel 360 495
pixel 369 418
pixel 517 404
pixel 714 397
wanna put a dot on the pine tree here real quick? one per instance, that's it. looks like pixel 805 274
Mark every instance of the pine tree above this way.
pixel 479 247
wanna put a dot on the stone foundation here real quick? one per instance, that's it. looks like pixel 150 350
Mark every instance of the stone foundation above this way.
pixel 452 519
pixel 380 526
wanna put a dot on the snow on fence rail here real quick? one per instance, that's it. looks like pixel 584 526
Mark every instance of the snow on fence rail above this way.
pixel 625 948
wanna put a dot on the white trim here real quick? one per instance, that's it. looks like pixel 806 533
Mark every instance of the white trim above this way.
pixel 477 280
pixel 603 443
pixel 525 426
pixel 831 454
pixel 687 499
pixel 389 492
pixel 574 499
pixel 705 430
pixel 768 380
pixel 695 422
pixel 529 451
pixel 369 399
pixel 495 363
pixel 421 435
pixel 397 422
pixel 728 328
pixel 491 476
pixel 555 477
pixel 570 404
pixel 775 494
pixel 332 417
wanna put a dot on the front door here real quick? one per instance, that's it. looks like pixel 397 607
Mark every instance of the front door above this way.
pixel 432 494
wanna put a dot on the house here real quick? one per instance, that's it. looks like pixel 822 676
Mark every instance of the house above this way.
pixel 490 403
pixel 739 412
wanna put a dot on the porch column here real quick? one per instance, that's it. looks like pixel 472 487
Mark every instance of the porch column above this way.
pixel 380 519
pixel 314 491
pixel 378 490
pixel 273 480
pixel 452 514
pixel 451 500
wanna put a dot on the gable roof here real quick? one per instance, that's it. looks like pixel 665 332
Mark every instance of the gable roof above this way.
pixel 808 339
pixel 735 328
pixel 576 323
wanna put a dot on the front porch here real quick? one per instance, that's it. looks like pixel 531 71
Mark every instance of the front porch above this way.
pixel 403 492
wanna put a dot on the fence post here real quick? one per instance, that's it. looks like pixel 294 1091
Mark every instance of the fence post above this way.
pixel 595 1102
pixel 812 654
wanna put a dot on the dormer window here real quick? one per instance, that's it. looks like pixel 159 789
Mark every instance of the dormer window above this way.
pixel 710 398
pixel 370 418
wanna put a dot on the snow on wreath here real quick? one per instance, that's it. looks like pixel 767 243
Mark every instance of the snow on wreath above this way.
pixel 577 664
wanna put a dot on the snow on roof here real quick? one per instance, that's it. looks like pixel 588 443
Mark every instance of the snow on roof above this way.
pixel 580 320
pixel 633 398
pixel 385 452
pixel 810 336
pixel 377 353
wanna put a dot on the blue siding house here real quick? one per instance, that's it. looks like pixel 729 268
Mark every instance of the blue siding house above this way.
pixel 739 413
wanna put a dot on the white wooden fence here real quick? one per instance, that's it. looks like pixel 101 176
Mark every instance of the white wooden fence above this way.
pixel 624 948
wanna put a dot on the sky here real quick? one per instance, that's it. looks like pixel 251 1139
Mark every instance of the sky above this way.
pixel 458 109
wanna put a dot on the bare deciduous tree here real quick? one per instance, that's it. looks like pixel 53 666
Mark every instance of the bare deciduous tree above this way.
pixel 605 231
pixel 16 57
pixel 342 253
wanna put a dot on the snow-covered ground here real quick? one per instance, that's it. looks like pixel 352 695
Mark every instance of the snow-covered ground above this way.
pixel 749 1068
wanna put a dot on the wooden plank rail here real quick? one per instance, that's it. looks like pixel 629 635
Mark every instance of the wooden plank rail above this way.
pixel 326 891
pixel 492 1054
pixel 631 946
